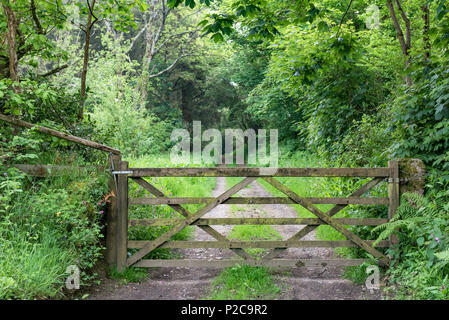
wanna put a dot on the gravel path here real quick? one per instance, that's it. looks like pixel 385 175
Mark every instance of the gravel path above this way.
pixel 194 283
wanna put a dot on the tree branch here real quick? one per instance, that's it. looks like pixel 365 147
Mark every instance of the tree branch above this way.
pixel 151 76
pixel 344 15
pixel 52 72
pixel 408 40
pixel 37 23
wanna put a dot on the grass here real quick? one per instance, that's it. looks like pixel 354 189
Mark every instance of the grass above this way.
pixel 250 232
pixel 52 223
pixel 244 283
pixel 32 270
pixel 129 275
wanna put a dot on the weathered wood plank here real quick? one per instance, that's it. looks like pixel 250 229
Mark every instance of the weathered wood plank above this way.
pixel 257 200
pixel 326 218
pixel 189 220
pixel 266 244
pixel 256 221
pixel 259 172
pixel 275 263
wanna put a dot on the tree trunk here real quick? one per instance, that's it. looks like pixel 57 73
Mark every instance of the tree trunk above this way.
pixel 12 25
pixel 147 58
pixel 90 23
pixel 426 36
pixel 405 42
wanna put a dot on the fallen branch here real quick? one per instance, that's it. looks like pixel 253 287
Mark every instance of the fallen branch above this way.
pixel 55 133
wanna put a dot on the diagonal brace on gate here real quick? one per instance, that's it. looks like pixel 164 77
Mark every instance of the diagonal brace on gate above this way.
pixel 332 212
pixel 178 208
pixel 188 221
pixel 327 219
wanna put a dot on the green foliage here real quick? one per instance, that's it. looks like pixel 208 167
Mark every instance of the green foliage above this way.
pixel 47 225
pixel 113 105
pixel 357 274
pixel 366 144
pixel 422 119
pixel 420 262
pixel 129 275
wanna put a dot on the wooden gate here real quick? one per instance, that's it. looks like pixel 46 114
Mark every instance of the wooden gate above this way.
pixel 118 222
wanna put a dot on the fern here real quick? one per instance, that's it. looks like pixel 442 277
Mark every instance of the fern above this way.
pixel 443 255
pixel 413 211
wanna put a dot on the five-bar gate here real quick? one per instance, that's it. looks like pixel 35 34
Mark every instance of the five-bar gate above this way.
pixel 118 222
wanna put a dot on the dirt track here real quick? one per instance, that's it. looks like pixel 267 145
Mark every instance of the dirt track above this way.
pixel 184 283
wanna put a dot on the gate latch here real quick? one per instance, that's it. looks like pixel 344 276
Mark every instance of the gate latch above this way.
pixel 122 172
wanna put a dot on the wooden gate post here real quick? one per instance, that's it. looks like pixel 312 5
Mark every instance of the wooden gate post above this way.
pixel 393 194
pixel 407 175
pixel 111 218
pixel 122 217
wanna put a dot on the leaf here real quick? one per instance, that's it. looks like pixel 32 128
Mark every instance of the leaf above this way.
pixel 323 27
pixel 217 37
pixel 420 241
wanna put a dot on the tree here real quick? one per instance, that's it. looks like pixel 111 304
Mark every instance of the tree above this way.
pixel 91 19
pixel 121 17
pixel 405 42
pixel 27 26
pixel 179 39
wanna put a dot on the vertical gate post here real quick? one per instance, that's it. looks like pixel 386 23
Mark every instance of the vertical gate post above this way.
pixel 393 194
pixel 122 218
pixel 111 218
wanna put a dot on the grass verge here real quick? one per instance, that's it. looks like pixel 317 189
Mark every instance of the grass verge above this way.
pixel 244 283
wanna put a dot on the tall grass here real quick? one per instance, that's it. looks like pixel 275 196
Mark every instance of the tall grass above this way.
pixel 53 223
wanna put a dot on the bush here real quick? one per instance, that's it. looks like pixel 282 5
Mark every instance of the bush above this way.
pixel 422 119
